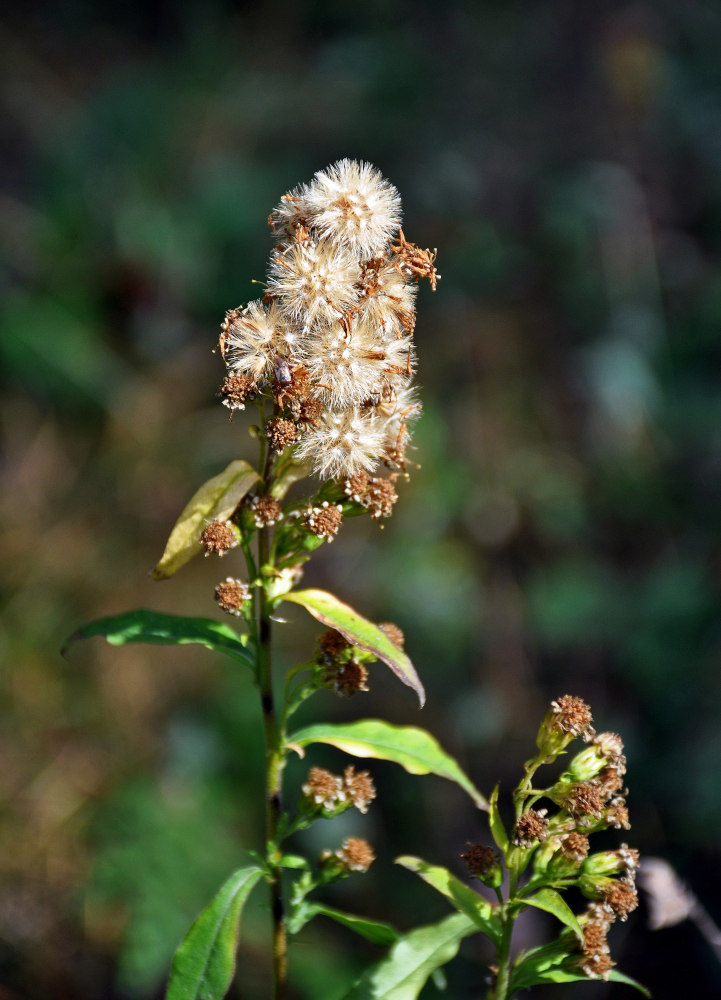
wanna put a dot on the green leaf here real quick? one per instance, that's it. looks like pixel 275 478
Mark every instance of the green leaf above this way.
pixel 204 963
pixel 414 749
pixel 153 627
pixel 531 964
pixel 403 973
pixel 552 902
pixel 560 974
pixel 358 630
pixel 216 498
pixel 464 898
pixel 498 831
pixel 620 977
pixel 372 930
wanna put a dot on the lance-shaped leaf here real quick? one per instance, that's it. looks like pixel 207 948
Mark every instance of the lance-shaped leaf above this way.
pixel 358 631
pixel 498 831
pixel 166 630
pixel 570 972
pixel 414 749
pixel 216 499
pixel 403 973
pixel 374 931
pixel 552 902
pixel 204 963
pixel 463 898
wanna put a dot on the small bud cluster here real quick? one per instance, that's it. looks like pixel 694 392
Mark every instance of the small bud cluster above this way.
pixel 232 595
pixel 341 664
pixel 588 797
pixel 331 342
pixel 354 855
pixel 219 537
pixel 333 794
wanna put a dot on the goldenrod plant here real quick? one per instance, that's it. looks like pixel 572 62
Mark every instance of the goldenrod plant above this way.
pixel 326 358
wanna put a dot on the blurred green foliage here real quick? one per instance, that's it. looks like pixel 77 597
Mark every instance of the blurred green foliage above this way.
pixel 562 533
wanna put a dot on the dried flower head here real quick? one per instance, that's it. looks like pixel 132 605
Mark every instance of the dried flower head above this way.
pixel 219 537
pixel 483 863
pixel 359 788
pixel 324 521
pixel 266 510
pixel 232 595
pixel 584 799
pixel 531 828
pixel 331 341
pixel 324 789
pixel 236 391
pixel 621 896
pixel 572 715
pixel 281 433
pixel 575 847
pixel 331 644
pixel 347 678
pixel 394 633
pixel 616 814
pixel 351 204
pixel 356 854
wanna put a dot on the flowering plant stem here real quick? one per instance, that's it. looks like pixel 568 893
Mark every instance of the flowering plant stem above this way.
pixel 327 356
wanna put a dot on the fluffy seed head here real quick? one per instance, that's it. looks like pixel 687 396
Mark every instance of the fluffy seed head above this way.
pixel 351 203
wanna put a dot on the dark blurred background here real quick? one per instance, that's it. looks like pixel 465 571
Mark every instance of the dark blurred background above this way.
pixel 562 534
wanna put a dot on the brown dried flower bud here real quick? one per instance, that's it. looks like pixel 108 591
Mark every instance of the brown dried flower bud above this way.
pixel 483 863
pixel 394 633
pixel 572 715
pixel 376 495
pixel 359 788
pixel 567 718
pixel 309 411
pixel 356 854
pixel 331 644
pixel 380 498
pixel 236 391
pixel 324 521
pixel 575 847
pixel 355 486
pixel 219 537
pixel 610 781
pixel 531 828
pixel 232 595
pixel 347 678
pixel 617 814
pixel 584 799
pixel 324 788
pixel 266 510
pixel 281 433
pixel 622 897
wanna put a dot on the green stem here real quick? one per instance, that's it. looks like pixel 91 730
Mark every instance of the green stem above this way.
pixel 500 990
pixel 274 762
pixel 274 756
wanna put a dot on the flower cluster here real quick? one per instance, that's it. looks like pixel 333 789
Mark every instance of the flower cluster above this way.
pixel 588 797
pixel 331 342
pixel 333 795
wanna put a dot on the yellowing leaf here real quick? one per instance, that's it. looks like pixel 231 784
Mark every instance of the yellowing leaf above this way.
pixel 216 499
pixel 329 610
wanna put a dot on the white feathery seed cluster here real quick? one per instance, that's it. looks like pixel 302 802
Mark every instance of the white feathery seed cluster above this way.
pixel 332 339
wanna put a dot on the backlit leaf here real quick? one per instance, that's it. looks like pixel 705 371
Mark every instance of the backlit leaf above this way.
pixel 413 748
pixel 331 611
pixel 216 499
